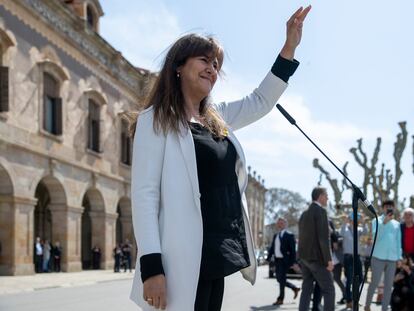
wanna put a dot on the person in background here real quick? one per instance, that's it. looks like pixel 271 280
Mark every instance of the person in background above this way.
pixel 38 255
pixel 126 251
pixel 366 249
pixel 57 256
pixel 283 248
pixel 407 232
pixel 46 255
pixel 402 297
pixel 337 259
pixel 347 233
pixel 96 257
pixel 117 257
pixel 315 251
pixel 387 252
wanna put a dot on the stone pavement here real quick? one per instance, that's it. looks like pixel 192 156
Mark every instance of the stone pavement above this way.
pixel 28 283
pixel 239 294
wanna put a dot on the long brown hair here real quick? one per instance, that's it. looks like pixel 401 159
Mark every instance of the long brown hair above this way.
pixel 166 96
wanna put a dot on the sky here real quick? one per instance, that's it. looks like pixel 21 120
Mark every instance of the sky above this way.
pixel 355 78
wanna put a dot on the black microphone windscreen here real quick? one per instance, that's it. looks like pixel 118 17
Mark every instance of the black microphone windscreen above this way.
pixel 286 114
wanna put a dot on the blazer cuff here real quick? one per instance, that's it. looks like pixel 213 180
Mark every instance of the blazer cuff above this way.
pixel 151 265
pixel 284 68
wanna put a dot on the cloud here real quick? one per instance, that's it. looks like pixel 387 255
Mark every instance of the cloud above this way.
pixel 142 32
pixel 282 155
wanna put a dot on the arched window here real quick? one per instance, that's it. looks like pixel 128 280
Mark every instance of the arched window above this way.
pixel 126 144
pixel 94 126
pixel 52 105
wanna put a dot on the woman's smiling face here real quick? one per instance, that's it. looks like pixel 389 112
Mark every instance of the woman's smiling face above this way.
pixel 198 75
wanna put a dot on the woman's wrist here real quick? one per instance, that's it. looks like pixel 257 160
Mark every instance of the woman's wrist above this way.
pixel 287 51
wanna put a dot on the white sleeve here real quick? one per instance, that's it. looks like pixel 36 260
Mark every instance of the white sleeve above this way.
pixel 251 108
pixel 147 163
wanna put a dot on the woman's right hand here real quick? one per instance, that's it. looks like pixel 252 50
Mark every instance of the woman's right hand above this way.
pixel 155 293
pixel 294 32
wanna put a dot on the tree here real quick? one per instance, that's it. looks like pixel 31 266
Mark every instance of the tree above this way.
pixel 282 202
pixel 380 186
pixel 333 182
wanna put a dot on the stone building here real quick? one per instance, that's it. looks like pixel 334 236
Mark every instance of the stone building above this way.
pixel 64 153
pixel 255 195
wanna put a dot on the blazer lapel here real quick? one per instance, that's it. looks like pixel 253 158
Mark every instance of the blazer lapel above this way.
pixel 188 150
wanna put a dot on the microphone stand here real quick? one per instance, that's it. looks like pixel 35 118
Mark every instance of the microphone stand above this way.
pixel 356 196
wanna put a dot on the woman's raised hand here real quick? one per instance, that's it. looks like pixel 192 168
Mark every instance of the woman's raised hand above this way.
pixel 294 32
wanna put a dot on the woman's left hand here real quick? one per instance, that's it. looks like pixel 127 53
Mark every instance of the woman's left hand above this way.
pixel 294 32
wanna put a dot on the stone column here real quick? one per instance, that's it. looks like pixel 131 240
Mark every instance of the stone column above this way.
pixel 66 228
pixel 110 240
pixel 16 227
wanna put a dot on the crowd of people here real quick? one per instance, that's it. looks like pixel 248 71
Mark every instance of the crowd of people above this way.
pixel 122 256
pixel 325 254
pixel 47 257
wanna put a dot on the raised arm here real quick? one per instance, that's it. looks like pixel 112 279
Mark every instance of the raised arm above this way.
pixel 240 113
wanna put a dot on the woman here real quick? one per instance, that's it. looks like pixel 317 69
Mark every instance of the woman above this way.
pixel 189 176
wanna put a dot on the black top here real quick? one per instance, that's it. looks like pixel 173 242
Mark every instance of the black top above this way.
pixel 224 238
pixel 151 264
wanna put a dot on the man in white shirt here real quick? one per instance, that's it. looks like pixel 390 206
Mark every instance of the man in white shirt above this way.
pixel 38 255
pixel 283 248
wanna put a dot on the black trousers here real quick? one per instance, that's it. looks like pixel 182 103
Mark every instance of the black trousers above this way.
pixel 349 267
pixel 337 272
pixel 281 271
pixel 38 263
pixel 127 263
pixel 209 295
pixel 57 264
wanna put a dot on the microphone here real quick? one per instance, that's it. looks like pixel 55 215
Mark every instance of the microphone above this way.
pixel 367 204
pixel 357 191
pixel 286 114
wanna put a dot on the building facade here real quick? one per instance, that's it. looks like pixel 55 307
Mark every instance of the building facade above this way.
pixel 64 151
pixel 65 154
pixel 255 195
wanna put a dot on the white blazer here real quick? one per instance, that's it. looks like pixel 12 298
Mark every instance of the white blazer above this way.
pixel 165 196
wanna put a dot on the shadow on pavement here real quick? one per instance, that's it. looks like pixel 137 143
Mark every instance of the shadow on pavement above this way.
pixel 264 308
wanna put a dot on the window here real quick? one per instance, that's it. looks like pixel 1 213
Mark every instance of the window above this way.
pixel 90 18
pixel 126 144
pixel 52 105
pixel 4 84
pixel 93 126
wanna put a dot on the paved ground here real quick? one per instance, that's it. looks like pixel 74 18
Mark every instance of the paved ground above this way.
pixel 30 283
pixel 105 290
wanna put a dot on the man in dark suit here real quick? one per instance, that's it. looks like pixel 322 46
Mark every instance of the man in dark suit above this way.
pixel 283 249
pixel 315 252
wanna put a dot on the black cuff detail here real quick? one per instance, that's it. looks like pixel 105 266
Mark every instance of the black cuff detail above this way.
pixel 284 68
pixel 151 265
